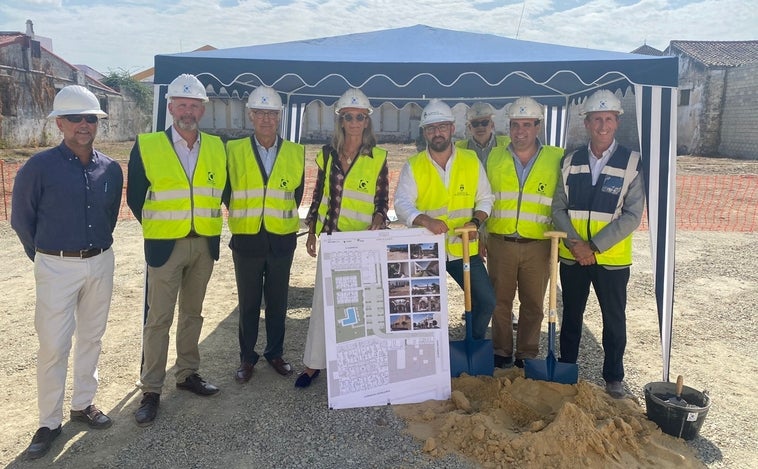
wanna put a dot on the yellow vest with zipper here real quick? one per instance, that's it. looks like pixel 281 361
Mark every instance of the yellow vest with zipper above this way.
pixel 453 204
pixel 174 207
pixel 254 203
pixel 527 211
pixel 359 189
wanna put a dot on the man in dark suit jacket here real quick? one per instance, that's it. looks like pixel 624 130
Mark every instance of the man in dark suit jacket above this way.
pixel 175 182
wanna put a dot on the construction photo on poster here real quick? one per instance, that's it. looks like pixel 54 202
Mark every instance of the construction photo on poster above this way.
pixel 385 311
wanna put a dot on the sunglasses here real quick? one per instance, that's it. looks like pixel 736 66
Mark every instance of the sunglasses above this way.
pixel 483 123
pixel 350 117
pixel 76 118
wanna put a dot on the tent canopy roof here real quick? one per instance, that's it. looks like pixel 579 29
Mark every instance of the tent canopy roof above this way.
pixel 415 63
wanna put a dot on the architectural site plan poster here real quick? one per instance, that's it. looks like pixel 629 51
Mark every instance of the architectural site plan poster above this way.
pixel 385 295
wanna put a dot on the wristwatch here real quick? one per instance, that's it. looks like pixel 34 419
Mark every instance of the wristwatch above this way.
pixel 476 222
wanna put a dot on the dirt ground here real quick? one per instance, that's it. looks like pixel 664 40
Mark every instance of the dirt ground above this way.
pixel 504 421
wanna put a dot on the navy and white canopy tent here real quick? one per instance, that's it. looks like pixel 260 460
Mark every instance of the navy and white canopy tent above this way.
pixel 416 63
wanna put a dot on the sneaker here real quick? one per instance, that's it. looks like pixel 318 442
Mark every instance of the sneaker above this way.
pixel 41 442
pixel 615 389
pixel 92 416
pixel 148 409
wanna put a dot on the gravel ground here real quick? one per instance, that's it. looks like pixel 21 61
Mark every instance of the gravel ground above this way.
pixel 268 423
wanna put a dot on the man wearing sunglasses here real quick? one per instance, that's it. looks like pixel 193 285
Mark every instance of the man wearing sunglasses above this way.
pixel 266 183
pixel 175 182
pixel 523 176
pixel 65 205
pixel 444 188
pixel 481 127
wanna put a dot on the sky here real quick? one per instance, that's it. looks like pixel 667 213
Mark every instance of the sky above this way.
pixel 111 35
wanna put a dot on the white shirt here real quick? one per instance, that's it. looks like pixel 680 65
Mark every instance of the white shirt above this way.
pixel 597 164
pixel 406 193
pixel 187 156
pixel 268 155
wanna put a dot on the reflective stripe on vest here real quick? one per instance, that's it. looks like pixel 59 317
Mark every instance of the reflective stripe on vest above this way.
pixel 591 208
pixel 254 204
pixel 359 189
pixel 528 212
pixel 453 204
pixel 172 206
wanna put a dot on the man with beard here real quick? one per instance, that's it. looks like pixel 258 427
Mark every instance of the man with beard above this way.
pixel 444 188
pixel 175 182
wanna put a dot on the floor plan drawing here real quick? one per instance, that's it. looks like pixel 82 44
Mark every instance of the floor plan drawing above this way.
pixel 385 317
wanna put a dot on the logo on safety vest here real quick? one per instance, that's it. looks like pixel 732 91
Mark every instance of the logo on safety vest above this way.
pixel 283 183
pixel 211 176
pixel 363 185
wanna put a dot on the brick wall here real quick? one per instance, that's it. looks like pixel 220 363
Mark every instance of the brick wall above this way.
pixel 739 121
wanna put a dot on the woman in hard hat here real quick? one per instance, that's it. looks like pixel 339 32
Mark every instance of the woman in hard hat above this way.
pixel 344 165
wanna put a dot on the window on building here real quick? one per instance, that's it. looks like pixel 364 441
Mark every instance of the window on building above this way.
pixel 684 97
pixel 104 104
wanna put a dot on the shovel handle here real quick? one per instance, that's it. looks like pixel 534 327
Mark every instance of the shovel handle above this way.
pixel 464 232
pixel 679 386
pixel 554 236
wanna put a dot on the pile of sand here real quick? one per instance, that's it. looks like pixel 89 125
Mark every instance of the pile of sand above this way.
pixel 509 421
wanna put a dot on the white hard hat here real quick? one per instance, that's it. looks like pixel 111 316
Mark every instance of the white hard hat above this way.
pixel 75 99
pixel 602 100
pixel 353 97
pixel 436 111
pixel 264 97
pixel 524 108
pixel 187 86
pixel 479 110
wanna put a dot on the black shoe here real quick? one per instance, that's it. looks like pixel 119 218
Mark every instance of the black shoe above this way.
pixel 519 363
pixel 304 380
pixel 194 383
pixel 41 442
pixel 92 416
pixel 503 362
pixel 148 409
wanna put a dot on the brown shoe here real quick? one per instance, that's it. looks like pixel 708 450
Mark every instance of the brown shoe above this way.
pixel 281 366
pixel 244 372
pixel 92 416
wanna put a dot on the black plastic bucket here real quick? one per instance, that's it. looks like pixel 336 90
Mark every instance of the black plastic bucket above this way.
pixel 678 421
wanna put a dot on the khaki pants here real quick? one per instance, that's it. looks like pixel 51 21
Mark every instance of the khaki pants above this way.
pixel 522 267
pixel 185 275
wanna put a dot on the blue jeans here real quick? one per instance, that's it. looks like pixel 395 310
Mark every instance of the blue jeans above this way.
pixel 482 293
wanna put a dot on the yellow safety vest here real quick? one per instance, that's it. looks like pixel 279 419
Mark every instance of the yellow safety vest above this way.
pixel 254 203
pixel 453 204
pixel 594 207
pixel 173 206
pixel 527 211
pixel 359 189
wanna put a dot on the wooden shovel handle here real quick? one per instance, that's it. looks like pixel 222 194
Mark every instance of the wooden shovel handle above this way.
pixel 679 386
pixel 464 232
pixel 554 236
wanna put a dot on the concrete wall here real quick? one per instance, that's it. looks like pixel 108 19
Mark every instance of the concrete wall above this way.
pixel 28 85
pixel 739 121
pixel 699 122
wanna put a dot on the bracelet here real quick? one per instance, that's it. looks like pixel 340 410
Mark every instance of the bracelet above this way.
pixel 476 222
